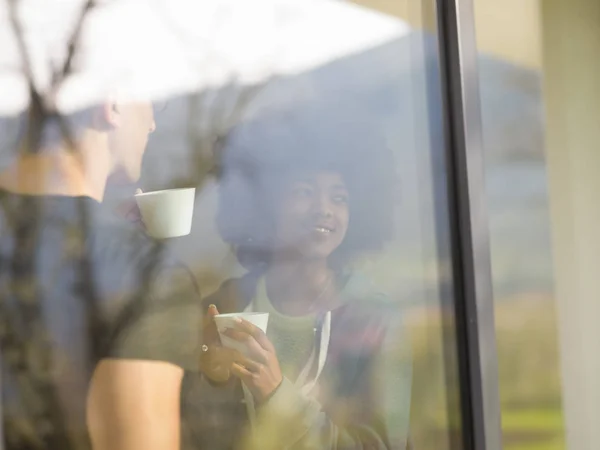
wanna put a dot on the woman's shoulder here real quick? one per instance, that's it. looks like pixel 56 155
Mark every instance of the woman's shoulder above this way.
pixel 359 290
pixel 370 314
pixel 363 302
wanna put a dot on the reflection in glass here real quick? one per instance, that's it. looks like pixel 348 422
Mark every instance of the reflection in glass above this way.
pixel 320 200
pixel 299 209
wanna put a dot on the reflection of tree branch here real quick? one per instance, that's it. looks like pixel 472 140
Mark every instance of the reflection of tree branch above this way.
pixel 212 113
pixel 58 77
pixel 212 116
pixel 19 35
pixel 228 119
pixel 37 111
pixel 72 48
pixel 30 356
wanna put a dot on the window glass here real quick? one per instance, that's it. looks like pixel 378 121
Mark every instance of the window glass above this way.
pixel 513 101
pixel 225 224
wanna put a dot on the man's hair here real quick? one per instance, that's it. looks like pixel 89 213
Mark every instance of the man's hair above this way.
pixel 263 154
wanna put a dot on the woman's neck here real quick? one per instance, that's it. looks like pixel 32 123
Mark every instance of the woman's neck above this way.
pixel 299 287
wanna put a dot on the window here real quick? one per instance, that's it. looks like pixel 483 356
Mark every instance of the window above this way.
pixel 539 84
pixel 295 166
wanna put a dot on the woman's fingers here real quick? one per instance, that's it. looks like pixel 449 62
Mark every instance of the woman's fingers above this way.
pixel 216 362
pixel 225 357
pixel 209 317
pixel 210 334
pixel 241 372
pixel 244 368
pixel 249 364
pixel 253 348
pixel 261 379
pixel 211 312
pixel 258 334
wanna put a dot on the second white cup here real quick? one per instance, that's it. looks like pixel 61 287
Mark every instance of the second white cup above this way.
pixel 225 321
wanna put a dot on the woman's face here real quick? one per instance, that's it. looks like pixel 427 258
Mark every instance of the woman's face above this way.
pixel 313 215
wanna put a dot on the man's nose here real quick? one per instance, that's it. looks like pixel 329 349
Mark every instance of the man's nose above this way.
pixel 152 127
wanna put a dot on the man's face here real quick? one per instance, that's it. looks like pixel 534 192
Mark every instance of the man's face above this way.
pixel 128 139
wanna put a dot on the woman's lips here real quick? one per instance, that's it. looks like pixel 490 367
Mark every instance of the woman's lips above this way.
pixel 323 229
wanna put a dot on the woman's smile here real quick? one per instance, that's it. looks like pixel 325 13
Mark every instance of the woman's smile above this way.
pixel 323 229
pixel 314 214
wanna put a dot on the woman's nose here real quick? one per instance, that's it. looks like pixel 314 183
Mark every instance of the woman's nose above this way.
pixel 152 127
pixel 323 206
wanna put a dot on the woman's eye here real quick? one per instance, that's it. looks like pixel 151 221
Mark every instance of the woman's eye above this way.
pixel 341 199
pixel 303 192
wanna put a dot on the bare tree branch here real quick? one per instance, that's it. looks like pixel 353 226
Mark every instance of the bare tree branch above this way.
pixel 29 356
pixel 75 38
pixel 216 117
pixel 37 111
pixel 212 117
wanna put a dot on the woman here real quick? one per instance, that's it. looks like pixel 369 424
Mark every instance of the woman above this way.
pixel 333 370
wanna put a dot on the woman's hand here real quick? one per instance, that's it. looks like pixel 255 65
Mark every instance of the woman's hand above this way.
pixel 259 369
pixel 215 360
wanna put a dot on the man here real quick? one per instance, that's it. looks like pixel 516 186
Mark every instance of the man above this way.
pixel 98 324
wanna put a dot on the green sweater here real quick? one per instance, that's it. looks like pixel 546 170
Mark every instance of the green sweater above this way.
pixel 292 336
pixel 293 339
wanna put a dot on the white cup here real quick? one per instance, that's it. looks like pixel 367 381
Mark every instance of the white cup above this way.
pixel 168 213
pixel 225 321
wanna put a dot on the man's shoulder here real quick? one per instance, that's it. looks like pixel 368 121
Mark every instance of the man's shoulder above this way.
pixel 116 240
pixel 120 257
pixel 128 259
pixel 151 300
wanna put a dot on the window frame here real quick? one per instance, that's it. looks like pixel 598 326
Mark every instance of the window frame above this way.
pixel 469 227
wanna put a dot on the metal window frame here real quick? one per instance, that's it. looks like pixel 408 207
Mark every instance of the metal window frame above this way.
pixel 469 227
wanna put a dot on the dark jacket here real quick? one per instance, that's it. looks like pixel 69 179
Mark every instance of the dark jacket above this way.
pixel 348 408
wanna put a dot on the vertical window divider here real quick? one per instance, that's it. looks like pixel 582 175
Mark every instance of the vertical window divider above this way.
pixel 469 227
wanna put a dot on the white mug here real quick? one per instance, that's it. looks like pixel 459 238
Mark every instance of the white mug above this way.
pixel 225 321
pixel 168 213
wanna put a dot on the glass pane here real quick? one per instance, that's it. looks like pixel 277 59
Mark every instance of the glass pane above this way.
pixel 277 162
pixel 520 83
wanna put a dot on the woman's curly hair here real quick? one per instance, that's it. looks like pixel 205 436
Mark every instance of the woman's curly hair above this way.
pixel 261 155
